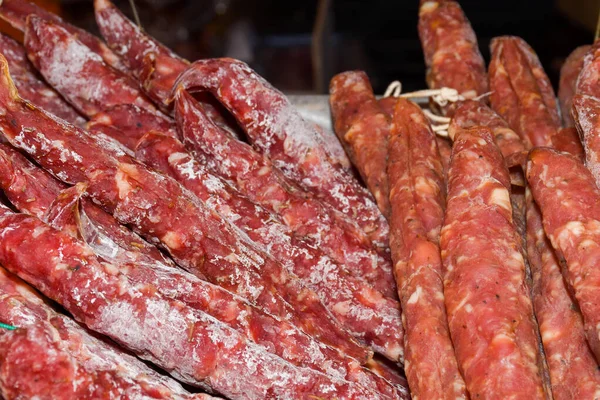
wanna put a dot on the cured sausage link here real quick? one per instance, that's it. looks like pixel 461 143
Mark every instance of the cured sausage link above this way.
pixel 450 47
pixel 264 183
pixel 417 200
pixel 363 128
pixel 568 199
pixel 76 72
pixel 490 314
pixel 573 370
pixel 15 12
pixel 278 131
pixel 521 91
pixel 163 212
pixel 569 73
pixel 193 346
pixel 362 310
pixel 31 87
pixel 47 341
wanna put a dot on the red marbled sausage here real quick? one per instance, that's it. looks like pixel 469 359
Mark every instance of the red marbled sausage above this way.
pixel 490 313
pixel 568 199
pixel 197 238
pixel 586 108
pixel 417 199
pixel 278 131
pixel 586 114
pixel 450 47
pixel 128 253
pixel 33 191
pixel 363 128
pixel 149 61
pixel 573 370
pixel 153 65
pixel 127 123
pixel 472 113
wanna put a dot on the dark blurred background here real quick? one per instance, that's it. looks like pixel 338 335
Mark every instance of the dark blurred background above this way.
pixel 299 45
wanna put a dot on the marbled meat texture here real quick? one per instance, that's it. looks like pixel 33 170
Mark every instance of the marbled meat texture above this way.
pixel 450 47
pixel 521 92
pixel 83 366
pixel 278 131
pixel 588 82
pixel 472 113
pixel 278 336
pixel 573 370
pixel 569 73
pixel 417 199
pixel 365 312
pixel 490 313
pixel 76 72
pixel 363 128
pixel 586 108
pixel 265 184
pixel 567 140
pixel 164 212
pixel 193 346
pixel 568 199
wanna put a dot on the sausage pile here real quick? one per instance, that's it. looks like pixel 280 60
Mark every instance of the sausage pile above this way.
pixel 166 223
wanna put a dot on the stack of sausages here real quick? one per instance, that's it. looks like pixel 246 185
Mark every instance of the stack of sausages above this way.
pixel 494 255
pixel 186 215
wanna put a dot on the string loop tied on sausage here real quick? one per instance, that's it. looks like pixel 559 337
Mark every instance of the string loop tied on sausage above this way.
pixel 441 97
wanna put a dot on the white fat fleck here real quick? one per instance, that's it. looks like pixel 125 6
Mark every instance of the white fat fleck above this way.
pixel 414 297
pixel 568 231
pixel 500 197
pixel 122 184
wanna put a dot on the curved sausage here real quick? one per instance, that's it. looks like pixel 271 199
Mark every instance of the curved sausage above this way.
pixel 450 47
pixel 363 128
pixel 278 131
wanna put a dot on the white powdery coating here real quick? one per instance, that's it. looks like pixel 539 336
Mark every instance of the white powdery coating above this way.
pixel 88 354
pixel 326 277
pixel 66 64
